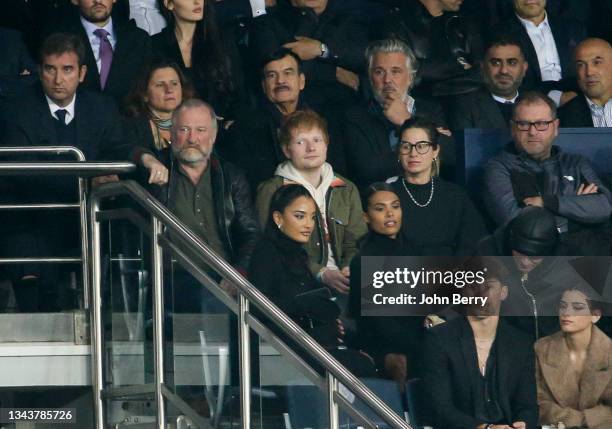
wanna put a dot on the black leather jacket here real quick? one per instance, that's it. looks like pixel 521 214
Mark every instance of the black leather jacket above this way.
pixel 441 54
pixel 236 220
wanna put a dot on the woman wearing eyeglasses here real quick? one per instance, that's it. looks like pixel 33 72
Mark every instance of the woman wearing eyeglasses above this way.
pixel 438 217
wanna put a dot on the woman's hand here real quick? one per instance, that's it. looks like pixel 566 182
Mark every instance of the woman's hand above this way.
pixel 158 173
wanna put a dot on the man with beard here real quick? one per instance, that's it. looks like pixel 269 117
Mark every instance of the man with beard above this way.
pixel 115 51
pixel 593 108
pixel 503 71
pixel 371 128
pixel 479 371
pixel 209 196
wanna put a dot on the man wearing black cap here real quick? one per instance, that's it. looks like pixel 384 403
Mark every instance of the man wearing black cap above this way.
pixel 537 277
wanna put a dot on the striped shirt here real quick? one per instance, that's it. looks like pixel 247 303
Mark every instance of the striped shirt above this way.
pixel 602 115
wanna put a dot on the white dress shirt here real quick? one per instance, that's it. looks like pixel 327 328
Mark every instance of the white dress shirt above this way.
pixel 147 16
pixel 546 49
pixel 69 109
pixel 258 7
pixel 602 115
pixel 94 40
pixel 505 100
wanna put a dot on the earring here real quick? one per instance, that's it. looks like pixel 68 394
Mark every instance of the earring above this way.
pixel 279 225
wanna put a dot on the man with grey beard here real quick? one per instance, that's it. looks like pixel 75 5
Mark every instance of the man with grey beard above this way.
pixel 371 128
pixel 503 70
pixel 208 195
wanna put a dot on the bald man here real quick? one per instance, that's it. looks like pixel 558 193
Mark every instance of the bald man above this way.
pixel 593 60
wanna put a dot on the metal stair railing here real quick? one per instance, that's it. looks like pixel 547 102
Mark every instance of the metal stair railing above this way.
pixel 335 373
pixel 81 170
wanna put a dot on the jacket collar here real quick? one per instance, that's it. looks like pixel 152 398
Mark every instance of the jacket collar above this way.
pixel 554 364
pixel 512 149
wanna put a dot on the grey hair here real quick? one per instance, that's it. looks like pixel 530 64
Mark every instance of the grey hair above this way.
pixel 194 103
pixel 392 46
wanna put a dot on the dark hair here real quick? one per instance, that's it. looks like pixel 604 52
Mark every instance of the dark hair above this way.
pixel 430 128
pixel 302 119
pixel 61 43
pixel 279 54
pixel 281 199
pixel 533 97
pixel 373 189
pixel 135 105
pixel 504 40
pixel 209 61
pixel 591 298
pixel 493 268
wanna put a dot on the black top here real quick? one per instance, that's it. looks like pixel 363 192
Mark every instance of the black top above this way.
pixel 165 46
pixel 382 335
pixel 448 225
pixel 279 268
pixel 506 110
pixel 451 375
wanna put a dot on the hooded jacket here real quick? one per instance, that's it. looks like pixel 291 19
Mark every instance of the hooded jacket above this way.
pixel 340 206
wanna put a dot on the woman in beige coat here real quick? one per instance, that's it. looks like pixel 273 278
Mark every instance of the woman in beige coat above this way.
pixel 574 368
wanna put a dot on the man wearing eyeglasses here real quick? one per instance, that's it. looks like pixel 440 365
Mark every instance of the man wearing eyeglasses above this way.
pixel 531 171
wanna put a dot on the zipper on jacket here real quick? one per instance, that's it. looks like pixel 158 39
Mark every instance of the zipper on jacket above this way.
pixel 524 279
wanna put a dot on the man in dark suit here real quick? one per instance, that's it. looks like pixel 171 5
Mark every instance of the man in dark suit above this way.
pixel 592 108
pixel 479 372
pixel 54 113
pixel 17 70
pixel 548 43
pixel 115 51
pixel 503 71
pixel 58 113
pixel 371 128
pixel 252 141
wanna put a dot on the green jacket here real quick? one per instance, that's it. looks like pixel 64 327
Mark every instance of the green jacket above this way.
pixel 344 220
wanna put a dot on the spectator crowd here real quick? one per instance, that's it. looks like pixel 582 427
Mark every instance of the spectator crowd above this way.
pixel 295 137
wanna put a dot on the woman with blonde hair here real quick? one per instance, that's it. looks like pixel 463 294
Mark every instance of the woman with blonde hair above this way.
pixel 438 216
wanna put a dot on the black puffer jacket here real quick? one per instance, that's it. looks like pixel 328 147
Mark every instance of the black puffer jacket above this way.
pixel 236 220
pixel 440 44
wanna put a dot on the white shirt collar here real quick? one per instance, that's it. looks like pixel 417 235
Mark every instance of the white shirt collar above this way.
pixel 505 100
pixel 410 103
pixel 69 108
pixel 526 23
pixel 91 27
pixel 593 105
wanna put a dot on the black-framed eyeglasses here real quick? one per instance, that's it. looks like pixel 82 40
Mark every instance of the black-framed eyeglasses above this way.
pixel 421 147
pixel 526 125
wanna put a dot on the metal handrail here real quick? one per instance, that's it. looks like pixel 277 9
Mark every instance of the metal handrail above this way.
pixel 79 169
pixel 336 373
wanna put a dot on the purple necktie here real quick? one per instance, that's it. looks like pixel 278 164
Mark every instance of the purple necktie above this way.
pixel 106 55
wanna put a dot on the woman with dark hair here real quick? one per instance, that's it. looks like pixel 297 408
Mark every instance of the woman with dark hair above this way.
pixel 439 218
pixel 393 342
pixel 161 88
pixel 574 371
pixel 192 39
pixel 279 268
